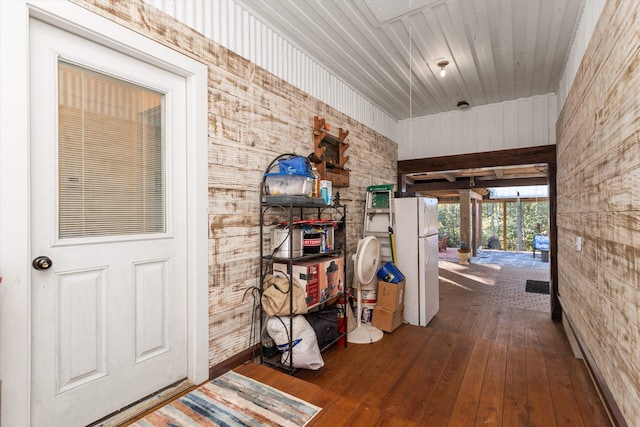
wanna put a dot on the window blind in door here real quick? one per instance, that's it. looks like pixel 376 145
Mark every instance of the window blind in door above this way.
pixel 111 156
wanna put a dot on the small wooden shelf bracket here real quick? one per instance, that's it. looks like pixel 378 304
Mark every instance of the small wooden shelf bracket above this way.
pixel 331 150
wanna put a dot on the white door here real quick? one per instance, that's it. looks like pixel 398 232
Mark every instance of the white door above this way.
pixel 108 207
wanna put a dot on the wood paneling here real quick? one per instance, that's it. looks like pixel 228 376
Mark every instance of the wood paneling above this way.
pixel 253 117
pixel 234 27
pixel 597 182
pixel 515 124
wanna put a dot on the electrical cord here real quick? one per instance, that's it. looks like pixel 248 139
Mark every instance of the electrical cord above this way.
pixel 257 309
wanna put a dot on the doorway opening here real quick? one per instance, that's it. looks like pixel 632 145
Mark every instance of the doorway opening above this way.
pixel 466 182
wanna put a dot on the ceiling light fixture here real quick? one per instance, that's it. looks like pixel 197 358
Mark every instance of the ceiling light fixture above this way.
pixel 443 64
pixel 463 105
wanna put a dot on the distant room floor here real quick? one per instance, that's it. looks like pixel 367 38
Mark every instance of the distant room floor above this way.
pixel 495 277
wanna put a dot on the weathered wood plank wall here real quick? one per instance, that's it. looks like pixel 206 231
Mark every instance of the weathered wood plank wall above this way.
pixel 598 151
pixel 233 25
pixel 253 117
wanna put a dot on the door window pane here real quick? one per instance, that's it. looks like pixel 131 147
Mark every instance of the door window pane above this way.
pixel 111 161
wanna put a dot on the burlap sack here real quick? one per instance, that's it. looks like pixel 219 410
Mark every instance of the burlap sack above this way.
pixel 275 297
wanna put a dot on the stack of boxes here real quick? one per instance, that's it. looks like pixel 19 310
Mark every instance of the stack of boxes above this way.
pixel 388 313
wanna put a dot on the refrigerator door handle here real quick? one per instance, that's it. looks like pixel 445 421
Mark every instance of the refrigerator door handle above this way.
pixel 427 257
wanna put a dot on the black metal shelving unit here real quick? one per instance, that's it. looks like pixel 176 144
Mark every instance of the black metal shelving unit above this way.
pixel 273 212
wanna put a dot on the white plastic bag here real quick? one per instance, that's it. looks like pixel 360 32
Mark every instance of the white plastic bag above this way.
pixel 305 352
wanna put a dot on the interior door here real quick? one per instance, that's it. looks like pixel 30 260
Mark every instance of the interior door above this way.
pixel 108 232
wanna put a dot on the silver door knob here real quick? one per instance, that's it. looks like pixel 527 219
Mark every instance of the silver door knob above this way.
pixel 42 263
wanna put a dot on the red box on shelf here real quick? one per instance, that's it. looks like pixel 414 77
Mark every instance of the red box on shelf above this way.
pixel 322 278
pixel 307 274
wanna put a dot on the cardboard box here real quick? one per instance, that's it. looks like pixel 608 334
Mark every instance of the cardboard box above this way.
pixel 307 273
pixel 390 295
pixel 331 277
pixel 322 278
pixel 387 320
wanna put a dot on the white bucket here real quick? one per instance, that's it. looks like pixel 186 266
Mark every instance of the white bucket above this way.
pixel 369 296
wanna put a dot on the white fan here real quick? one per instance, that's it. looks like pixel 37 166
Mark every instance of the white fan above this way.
pixel 365 262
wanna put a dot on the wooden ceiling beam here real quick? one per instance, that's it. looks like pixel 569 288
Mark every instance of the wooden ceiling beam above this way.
pixel 464 184
pixel 487 159
pixel 449 177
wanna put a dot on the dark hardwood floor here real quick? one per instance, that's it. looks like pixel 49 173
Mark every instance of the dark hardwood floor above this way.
pixel 475 364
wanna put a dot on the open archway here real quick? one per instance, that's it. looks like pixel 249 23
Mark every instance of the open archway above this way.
pixel 462 174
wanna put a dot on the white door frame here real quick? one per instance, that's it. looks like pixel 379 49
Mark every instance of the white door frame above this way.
pixel 15 220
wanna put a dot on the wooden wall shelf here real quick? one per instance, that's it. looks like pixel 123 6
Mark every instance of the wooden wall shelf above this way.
pixel 330 149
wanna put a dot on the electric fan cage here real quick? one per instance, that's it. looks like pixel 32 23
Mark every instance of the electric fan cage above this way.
pixel 366 261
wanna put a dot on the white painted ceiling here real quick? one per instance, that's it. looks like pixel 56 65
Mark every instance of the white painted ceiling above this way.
pixel 388 50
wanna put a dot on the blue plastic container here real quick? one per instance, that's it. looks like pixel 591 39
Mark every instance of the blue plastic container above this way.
pixel 390 273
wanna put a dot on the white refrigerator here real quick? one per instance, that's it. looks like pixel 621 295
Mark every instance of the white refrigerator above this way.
pixel 416 241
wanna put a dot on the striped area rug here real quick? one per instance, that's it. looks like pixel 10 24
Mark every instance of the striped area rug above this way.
pixel 232 400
